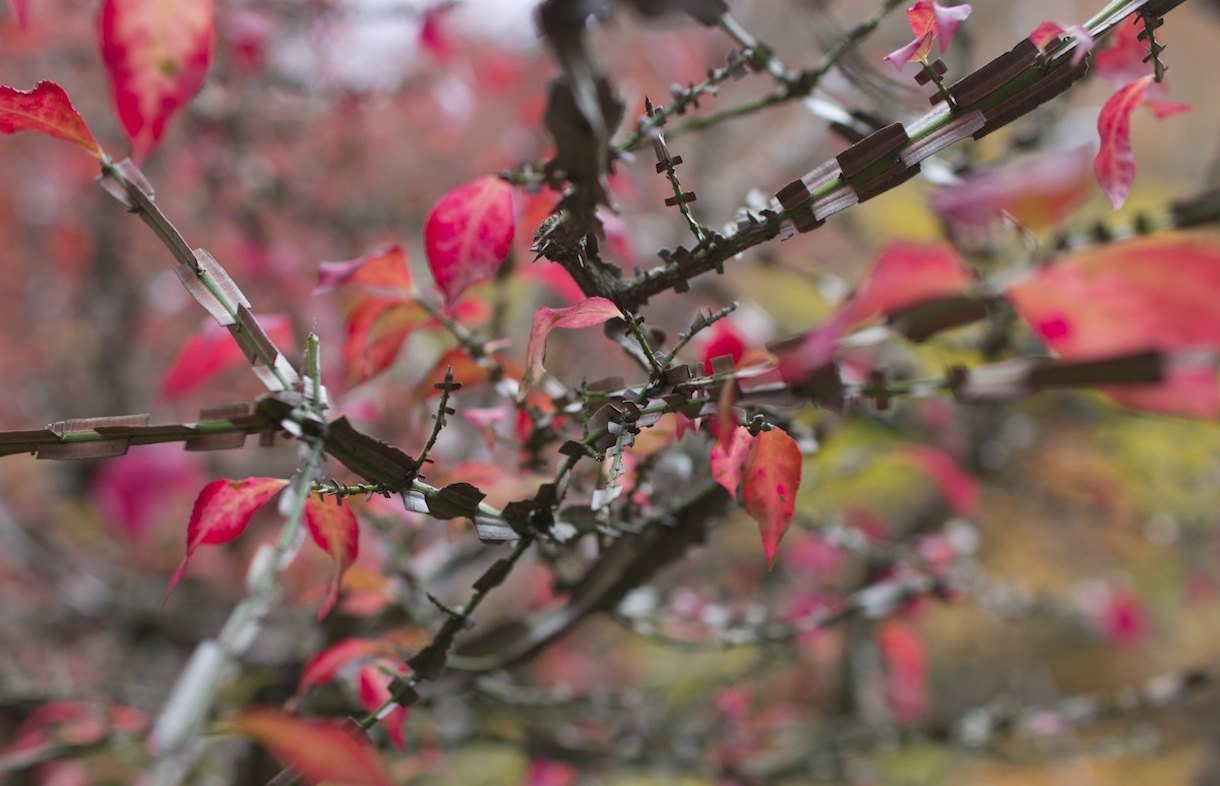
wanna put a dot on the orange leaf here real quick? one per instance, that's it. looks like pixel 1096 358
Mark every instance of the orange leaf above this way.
pixel 587 313
pixel 319 750
pixel 332 525
pixel 466 371
pixel 384 269
pixel 376 330
pixel 157 53
pixel 769 484
pixel 222 511
pixel 1123 298
pixel 45 109
pixel 468 235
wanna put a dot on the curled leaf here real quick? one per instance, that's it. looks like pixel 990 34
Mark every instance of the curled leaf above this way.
pixel 47 110
pixel 157 53
pixel 929 22
pixel 769 484
pixel 333 526
pixel 468 234
pixel 222 511
pixel 319 750
pixel 1115 163
pixel 587 313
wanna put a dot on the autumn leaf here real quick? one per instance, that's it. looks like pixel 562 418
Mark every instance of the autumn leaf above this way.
pixel 157 53
pixel 468 234
pixel 332 525
pixel 1115 162
pixel 384 270
pixel 1050 32
pixel 376 330
pixel 325 665
pixel 1037 192
pixel 212 351
pixel 929 22
pixel 771 477
pixel 373 687
pixel 959 489
pixel 47 110
pixel 21 12
pixel 1149 294
pixel 222 511
pixel 729 456
pixel 319 750
pixel 587 313
pixel 906 669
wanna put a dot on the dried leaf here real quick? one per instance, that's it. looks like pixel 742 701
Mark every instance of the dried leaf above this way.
pixel 222 511
pixel 333 526
pixel 319 750
pixel 157 53
pixel 468 235
pixel 384 269
pixel 769 484
pixel 47 110
pixel 587 313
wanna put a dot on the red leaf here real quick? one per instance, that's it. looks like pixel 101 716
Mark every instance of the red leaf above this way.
pixel 157 53
pixel 905 275
pixel 1123 60
pixel 929 21
pixel 469 234
pixel 1155 293
pixel 374 690
pixel 21 12
pixel 384 269
pixel 769 484
pixel 212 351
pixel 906 669
pixel 1115 163
pixel 543 772
pixel 222 511
pixel 728 459
pixel 376 330
pixel 722 339
pixel 319 750
pixel 433 37
pixel 332 525
pixel 587 313
pixel 47 110
pixel 324 666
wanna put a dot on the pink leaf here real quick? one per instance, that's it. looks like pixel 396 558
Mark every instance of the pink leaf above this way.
pixel 1115 163
pixel 587 313
pixel 47 110
pixel 157 53
pixel 319 750
pixel 21 12
pixel 384 269
pixel 374 689
pixel 1156 293
pixel 469 234
pixel 222 511
pixel 929 21
pixel 1050 32
pixel 543 772
pixel 212 351
pixel 1123 60
pixel 728 459
pixel 135 491
pixel 332 525
pixel 433 37
pixel 769 484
